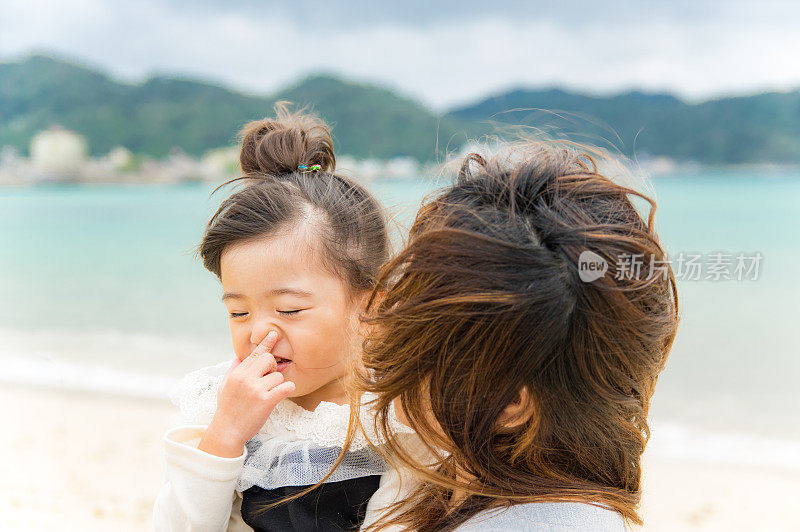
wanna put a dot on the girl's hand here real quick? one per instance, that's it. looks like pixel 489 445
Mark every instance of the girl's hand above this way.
pixel 249 392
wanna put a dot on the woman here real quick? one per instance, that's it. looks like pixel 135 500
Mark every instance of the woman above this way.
pixel 524 366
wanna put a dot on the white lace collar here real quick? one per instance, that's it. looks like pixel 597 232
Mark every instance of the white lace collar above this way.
pixel 196 397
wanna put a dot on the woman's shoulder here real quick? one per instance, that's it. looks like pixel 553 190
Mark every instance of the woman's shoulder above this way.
pixel 547 516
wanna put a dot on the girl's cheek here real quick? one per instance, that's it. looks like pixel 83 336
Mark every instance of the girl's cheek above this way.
pixel 241 341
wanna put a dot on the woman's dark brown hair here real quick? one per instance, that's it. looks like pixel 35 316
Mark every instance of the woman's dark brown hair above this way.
pixel 288 166
pixel 486 307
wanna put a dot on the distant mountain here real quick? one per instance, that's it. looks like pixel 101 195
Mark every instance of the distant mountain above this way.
pixel 555 110
pixel 153 117
pixel 751 129
pixel 149 118
pixel 372 121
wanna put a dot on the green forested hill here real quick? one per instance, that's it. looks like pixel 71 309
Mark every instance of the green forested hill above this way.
pixel 154 116
pixel 148 118
pixel 760 128
pixel 371 121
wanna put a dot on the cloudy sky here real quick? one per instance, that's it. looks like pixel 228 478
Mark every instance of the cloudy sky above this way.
pixel 442 52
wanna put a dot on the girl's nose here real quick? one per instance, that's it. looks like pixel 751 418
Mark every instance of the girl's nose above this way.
pixel 260 331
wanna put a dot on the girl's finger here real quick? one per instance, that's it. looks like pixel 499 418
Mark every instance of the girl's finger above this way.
pixel 279 393
pixel 266 345
pixel 263 348
pixel 272 380
pixel 261 364
pixel 235 362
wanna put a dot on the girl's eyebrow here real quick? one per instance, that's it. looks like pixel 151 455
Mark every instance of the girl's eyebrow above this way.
pixel 274 292
pixel 290 291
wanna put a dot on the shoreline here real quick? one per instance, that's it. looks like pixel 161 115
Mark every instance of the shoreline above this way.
pixel 80 460
pixel 668 169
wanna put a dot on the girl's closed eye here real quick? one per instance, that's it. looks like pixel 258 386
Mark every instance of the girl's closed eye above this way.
pixel 237 314
pixel 291 312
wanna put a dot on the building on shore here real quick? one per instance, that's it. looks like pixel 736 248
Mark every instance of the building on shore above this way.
pixel 58 152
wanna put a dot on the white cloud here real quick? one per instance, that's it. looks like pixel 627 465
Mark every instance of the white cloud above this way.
pixel 444 62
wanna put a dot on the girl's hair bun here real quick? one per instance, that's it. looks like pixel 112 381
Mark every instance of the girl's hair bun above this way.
pixel 276 146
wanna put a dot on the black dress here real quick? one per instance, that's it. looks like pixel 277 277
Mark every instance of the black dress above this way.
pixel 332 506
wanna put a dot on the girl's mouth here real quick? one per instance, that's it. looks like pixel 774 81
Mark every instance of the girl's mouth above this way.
pixel 283 363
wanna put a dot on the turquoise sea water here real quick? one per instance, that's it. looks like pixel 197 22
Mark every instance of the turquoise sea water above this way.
pixel 99 288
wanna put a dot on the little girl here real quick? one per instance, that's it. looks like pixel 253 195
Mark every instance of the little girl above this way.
pixel 296 249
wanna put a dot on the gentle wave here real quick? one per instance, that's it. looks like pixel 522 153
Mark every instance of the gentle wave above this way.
pixel 103 361
pixel 83 377
pixel 44 355
pixel 675 440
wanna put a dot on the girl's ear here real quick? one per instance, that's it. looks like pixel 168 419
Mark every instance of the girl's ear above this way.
pixel 360 306
pixel 360 302
pixel 518 412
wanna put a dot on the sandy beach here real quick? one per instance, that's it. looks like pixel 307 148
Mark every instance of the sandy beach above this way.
pixel 86 462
